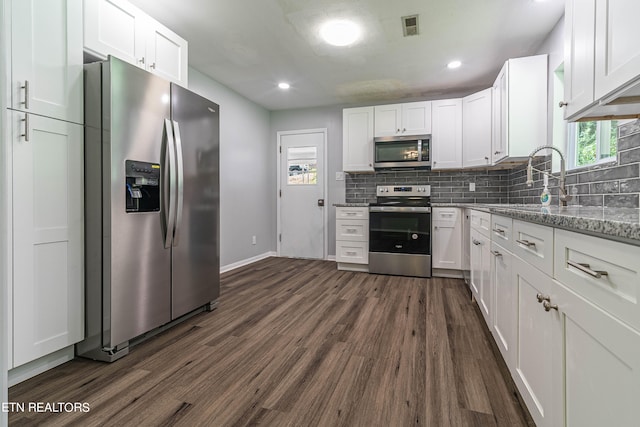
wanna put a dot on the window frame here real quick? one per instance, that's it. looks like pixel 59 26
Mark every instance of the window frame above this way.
pixel 602 134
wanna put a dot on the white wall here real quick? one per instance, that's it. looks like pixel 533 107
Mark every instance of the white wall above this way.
pixel 314 118
pixel 247 172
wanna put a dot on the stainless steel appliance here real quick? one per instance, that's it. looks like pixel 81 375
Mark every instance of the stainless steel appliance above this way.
pixel 152 205
pixel 401 152
pixel 400 231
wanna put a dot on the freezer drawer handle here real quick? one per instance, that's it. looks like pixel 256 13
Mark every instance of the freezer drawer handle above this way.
pixel 586 268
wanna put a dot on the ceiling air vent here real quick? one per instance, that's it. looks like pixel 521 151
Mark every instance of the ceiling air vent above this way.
pixel 410 25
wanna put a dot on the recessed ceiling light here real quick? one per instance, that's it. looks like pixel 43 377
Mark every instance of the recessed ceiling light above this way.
pixel 340 32
pixel 454 64
pixel 284 85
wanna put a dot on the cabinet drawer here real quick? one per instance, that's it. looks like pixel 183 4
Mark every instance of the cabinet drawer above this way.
pixel 353 252
pixel 445 216
pixel 580 259
pixel 352 230
pixel 352 213
pixel 534 244
pixel 501 231
pixel 481 221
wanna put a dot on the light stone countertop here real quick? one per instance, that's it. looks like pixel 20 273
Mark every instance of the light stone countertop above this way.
pixel 351 205
pixel 621 224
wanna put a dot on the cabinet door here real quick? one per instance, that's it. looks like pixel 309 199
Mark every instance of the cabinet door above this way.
pixel 579 54
pixel 617 48
pixel 500 116
pixel 388 120
pixel 477 128
pixel 596 365
pixel 447 249
pixel 166 53
pixel 48 262
pixel 46 58
pixel 475 262
pixel 416 118
pixel 485 300
pixel 447 133
pixel 533 358
pixel 504 303
pixel 357 139
pixel 115 27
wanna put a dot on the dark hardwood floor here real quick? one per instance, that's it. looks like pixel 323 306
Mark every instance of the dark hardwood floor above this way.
pixel 299 343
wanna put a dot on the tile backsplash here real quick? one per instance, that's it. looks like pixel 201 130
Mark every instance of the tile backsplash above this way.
pixel 613 184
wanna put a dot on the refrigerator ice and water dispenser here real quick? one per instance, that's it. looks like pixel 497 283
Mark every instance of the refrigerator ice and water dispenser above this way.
pixel 142 186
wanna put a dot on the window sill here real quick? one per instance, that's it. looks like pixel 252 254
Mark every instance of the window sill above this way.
pixel 605 163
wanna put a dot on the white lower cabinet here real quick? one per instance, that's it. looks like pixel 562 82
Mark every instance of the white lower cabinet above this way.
pixel 47 292
pixel 505 314
pixel 531 366
pixel 596 367
pixel 479 258
pixel 352 238
pixel 447 239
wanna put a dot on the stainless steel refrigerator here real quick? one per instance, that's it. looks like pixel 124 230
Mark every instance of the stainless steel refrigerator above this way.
pixel 152 205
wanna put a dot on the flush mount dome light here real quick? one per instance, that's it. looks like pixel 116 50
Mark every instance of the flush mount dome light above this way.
pixel 454 64
pixel 284 85
pixel 340 32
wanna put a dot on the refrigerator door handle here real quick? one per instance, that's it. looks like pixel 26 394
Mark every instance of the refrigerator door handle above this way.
pixel 170 202
pixel 180 187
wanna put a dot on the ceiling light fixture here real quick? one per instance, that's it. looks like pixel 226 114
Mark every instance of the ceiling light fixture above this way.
pixel 340 32
pixel 284 85
pixel 454 64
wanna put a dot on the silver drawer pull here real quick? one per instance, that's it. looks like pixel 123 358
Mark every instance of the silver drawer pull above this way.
pixel 476 242
pixel 526 243
pixel 351 213
pixel 351 230
pixel 585 268
pixel 351 253
pixel 499 230
pixel 548 306
pixel 542 297
pixel 496 253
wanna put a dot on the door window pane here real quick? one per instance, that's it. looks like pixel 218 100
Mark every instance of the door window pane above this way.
pixel 302 163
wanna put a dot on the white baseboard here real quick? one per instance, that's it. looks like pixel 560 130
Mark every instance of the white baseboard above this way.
pixel 331 258
pixel 242 263
pixel 38 366
pixel 450 274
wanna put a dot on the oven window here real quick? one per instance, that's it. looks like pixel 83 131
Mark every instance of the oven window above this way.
pixel 397 151
pixel 400 232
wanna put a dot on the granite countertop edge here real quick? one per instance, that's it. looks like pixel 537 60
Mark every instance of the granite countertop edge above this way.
pixel 615 223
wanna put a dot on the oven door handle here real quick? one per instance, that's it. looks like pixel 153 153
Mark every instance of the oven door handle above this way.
pixel 403 209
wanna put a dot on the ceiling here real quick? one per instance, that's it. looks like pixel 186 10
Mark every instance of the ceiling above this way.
pixel 252 45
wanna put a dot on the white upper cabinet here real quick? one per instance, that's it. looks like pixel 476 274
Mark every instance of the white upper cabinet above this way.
pixel 520 108
pixel 412 118
pixel 46 58
pixel 602 59
pixel 447 134
pixel 357 139
pixel 476 128
pixel 115 27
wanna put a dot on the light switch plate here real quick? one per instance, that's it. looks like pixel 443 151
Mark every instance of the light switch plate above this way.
pixel 339 176
pixel 472 186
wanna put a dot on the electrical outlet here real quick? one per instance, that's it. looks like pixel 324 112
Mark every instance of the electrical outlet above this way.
pixel 339 176
pixel 472 186
pixel 253 240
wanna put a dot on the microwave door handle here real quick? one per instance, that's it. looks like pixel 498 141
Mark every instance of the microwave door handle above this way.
pixel 180 183
pixel 169 205
pixel 420 150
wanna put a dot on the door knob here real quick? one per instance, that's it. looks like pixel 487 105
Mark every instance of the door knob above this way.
pixel 320 202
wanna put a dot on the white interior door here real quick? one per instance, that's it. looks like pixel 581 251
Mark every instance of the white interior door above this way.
pixel 302 194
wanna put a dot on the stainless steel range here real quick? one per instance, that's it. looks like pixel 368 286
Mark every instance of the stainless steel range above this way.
pixel 400 231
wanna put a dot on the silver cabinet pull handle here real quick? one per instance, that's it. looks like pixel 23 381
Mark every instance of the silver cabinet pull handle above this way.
pixel 25 135
pixel 526 243
pixel 562 104
pixel 496 253
pixel 499 230
pixel 476 242
pixel 26 94
pixel 153 65
pixel 141 60
pixel 548 306
pixel 542 297
pixel 585 268
pixel 497 152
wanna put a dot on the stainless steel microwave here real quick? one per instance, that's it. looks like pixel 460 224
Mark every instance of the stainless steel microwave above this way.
pixel 400 152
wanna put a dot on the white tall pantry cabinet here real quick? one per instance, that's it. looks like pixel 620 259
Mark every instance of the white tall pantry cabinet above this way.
pixel 44 127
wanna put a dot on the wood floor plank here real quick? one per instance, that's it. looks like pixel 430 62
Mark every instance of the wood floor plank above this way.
pixel 298 342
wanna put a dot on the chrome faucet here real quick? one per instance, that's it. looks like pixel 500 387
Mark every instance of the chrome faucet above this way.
pixel 564 196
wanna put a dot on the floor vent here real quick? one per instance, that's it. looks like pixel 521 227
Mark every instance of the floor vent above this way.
pixel 410 25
